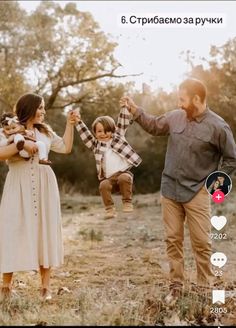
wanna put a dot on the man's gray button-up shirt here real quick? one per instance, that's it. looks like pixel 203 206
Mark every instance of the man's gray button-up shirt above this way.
pixel 195 149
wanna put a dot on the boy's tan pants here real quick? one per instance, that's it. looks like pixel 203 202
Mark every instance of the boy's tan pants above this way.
pixel 197 214
pixel 120 181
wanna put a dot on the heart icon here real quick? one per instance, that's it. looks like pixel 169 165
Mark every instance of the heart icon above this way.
pixel 218 222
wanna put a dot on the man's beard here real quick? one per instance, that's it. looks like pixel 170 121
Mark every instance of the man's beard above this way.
pixel 190 111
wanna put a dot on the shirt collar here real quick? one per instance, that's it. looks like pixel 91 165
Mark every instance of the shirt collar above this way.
pixel 201 117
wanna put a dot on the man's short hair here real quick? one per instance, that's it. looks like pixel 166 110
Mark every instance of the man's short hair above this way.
pixel 194 87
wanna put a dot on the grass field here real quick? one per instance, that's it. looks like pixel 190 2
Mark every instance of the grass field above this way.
pixel 116 271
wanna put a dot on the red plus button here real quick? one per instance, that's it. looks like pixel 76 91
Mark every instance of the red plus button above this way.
pixel 218 196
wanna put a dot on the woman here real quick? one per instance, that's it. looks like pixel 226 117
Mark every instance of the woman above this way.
pixel 215 186
pixel 30 217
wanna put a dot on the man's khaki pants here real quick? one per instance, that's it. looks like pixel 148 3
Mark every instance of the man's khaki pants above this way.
pixel 197 214
pixel 120 181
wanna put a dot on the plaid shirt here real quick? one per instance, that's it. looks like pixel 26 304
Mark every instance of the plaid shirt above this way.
pixel 119 144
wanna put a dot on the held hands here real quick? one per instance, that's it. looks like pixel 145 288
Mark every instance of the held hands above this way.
pixel 129 104
pixel 73 117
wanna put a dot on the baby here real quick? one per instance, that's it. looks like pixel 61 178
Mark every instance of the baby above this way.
pixel 13 131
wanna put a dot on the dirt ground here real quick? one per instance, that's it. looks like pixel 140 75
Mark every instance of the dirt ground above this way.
pixel 116 271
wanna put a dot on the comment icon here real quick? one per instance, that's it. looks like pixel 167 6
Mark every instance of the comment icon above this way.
pixel 218 259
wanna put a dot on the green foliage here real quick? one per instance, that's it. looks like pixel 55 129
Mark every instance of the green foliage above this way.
pixel 220 79
pixel 148 174
pixel 12 82
pixel 63 55
pixel 91 235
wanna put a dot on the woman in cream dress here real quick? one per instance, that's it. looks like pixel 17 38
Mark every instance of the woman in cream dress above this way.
pixel 30 216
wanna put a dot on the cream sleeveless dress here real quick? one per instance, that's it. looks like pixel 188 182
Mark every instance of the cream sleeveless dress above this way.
pixel 30 215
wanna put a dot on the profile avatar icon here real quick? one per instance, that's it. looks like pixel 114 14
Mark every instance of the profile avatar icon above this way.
pixel 218 185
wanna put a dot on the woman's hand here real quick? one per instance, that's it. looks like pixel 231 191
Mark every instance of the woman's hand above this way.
pixel 30 147
pixel 10 139
pixel 73 117
pixel 129 104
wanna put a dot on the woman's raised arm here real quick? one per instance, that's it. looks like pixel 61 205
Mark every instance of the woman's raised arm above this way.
pixel 68 137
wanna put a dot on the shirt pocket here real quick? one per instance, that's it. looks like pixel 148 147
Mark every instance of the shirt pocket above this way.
pixel 201 141
pixel 202 136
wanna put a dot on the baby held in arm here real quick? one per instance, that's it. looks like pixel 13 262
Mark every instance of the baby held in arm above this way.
pixel 12 131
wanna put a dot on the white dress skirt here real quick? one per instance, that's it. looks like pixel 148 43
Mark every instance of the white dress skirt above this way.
pixel 30 214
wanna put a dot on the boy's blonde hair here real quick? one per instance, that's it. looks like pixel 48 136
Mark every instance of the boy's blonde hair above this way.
pixel 107 122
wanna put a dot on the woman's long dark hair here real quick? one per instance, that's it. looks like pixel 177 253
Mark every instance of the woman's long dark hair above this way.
pixel 25 109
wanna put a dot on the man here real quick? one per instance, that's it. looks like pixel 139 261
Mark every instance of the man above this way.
pixel 223 186
pixel 198 140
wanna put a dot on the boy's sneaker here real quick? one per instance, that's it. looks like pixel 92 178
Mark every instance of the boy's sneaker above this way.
pixel 110 213
pixel 128 207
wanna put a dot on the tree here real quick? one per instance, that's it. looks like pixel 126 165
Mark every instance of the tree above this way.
pixel 67 52
pixel 12 81
pixel 61 53
pixel 220 79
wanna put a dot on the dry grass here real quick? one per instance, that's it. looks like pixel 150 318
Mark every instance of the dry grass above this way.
pixel 116 272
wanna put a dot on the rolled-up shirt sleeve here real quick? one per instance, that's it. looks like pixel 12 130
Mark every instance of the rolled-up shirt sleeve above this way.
pixel 155 125
pixel 228 150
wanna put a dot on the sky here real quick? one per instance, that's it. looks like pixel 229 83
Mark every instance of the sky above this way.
pixel 155 51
